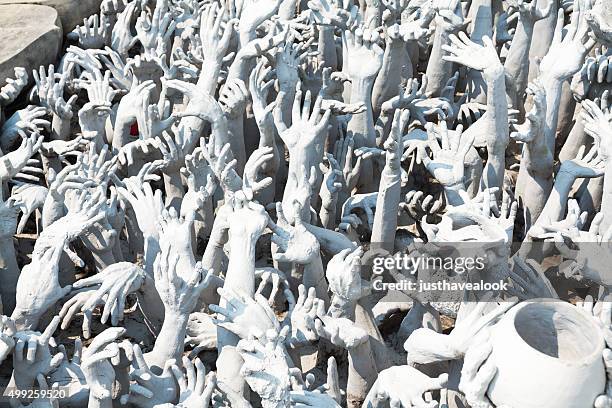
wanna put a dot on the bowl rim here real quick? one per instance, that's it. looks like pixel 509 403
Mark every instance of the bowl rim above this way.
pixel 587 359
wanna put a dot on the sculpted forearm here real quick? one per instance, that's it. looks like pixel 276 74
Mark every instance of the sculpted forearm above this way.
pixel 9 271
pixel 60 128
pixel 240 276
pixel 314 277
pixel 536 181
pixel 121 134
pixel 170 340
pixel 517 63
pixel 497 108
pixel 209 77
pixel 481 16
pixel 213 253
pixel 327 214
pixel 575 139
pixel 364 319
pixel 554 210
pixel 151 249
pixel 541 42
pixel 553 87
pixel 606 199
pixel 331 242
pixel 235 127
pixel 150 304
pixel 362 374
pixel 241 272
pixel 327 47
pixel 191 128
pixel 361 126
pixel 387 203
pixel 395 68
pixel 103 259
pixel 174 189
pixel 438 70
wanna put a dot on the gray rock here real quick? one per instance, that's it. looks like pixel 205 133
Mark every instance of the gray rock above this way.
pixel 31 36
pixel 600 20
pixel 71 12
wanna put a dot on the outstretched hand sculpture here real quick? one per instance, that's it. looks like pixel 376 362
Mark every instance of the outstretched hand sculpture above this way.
pixel 311 204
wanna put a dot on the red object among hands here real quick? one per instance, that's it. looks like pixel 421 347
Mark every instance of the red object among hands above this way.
pixel 134 129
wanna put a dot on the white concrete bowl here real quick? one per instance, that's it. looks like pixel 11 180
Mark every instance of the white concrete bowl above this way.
pixel 549 355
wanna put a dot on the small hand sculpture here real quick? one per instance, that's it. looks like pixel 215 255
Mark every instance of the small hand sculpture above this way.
pixel 32 355
pixel 448 161
pixel 255 165
pixel 115 283
pixel 478 372
pixel 196 390
pixel 529 281
pixel 575 45
pixel 265 367
pixel 464 51
pixel 215 33
pixel 344 274
pixel 150 389
pixel 122 38
pixel 201 333
pixel 147 205
pixel 29 119
pixel 294 242
pixel 534 126
pixel 51 94
pixel 92 34
pixel 365 202
pixel 339 14
pixel 13 87
pixel 97 368
pixel 303 316
pixel 14 162
pixel 341 332
pixel 7 331
pixel 154 31
pixel 420 346
pixel 304 399
pixel 243 315
pixel 365 56
pixel 405 394
pixel 179 292
pixel 69 375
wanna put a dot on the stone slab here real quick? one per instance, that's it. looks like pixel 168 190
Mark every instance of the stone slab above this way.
pixel 31 36
pixel 71 12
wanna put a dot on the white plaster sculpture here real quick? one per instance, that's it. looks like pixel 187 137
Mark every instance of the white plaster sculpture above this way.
pixel 244 204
